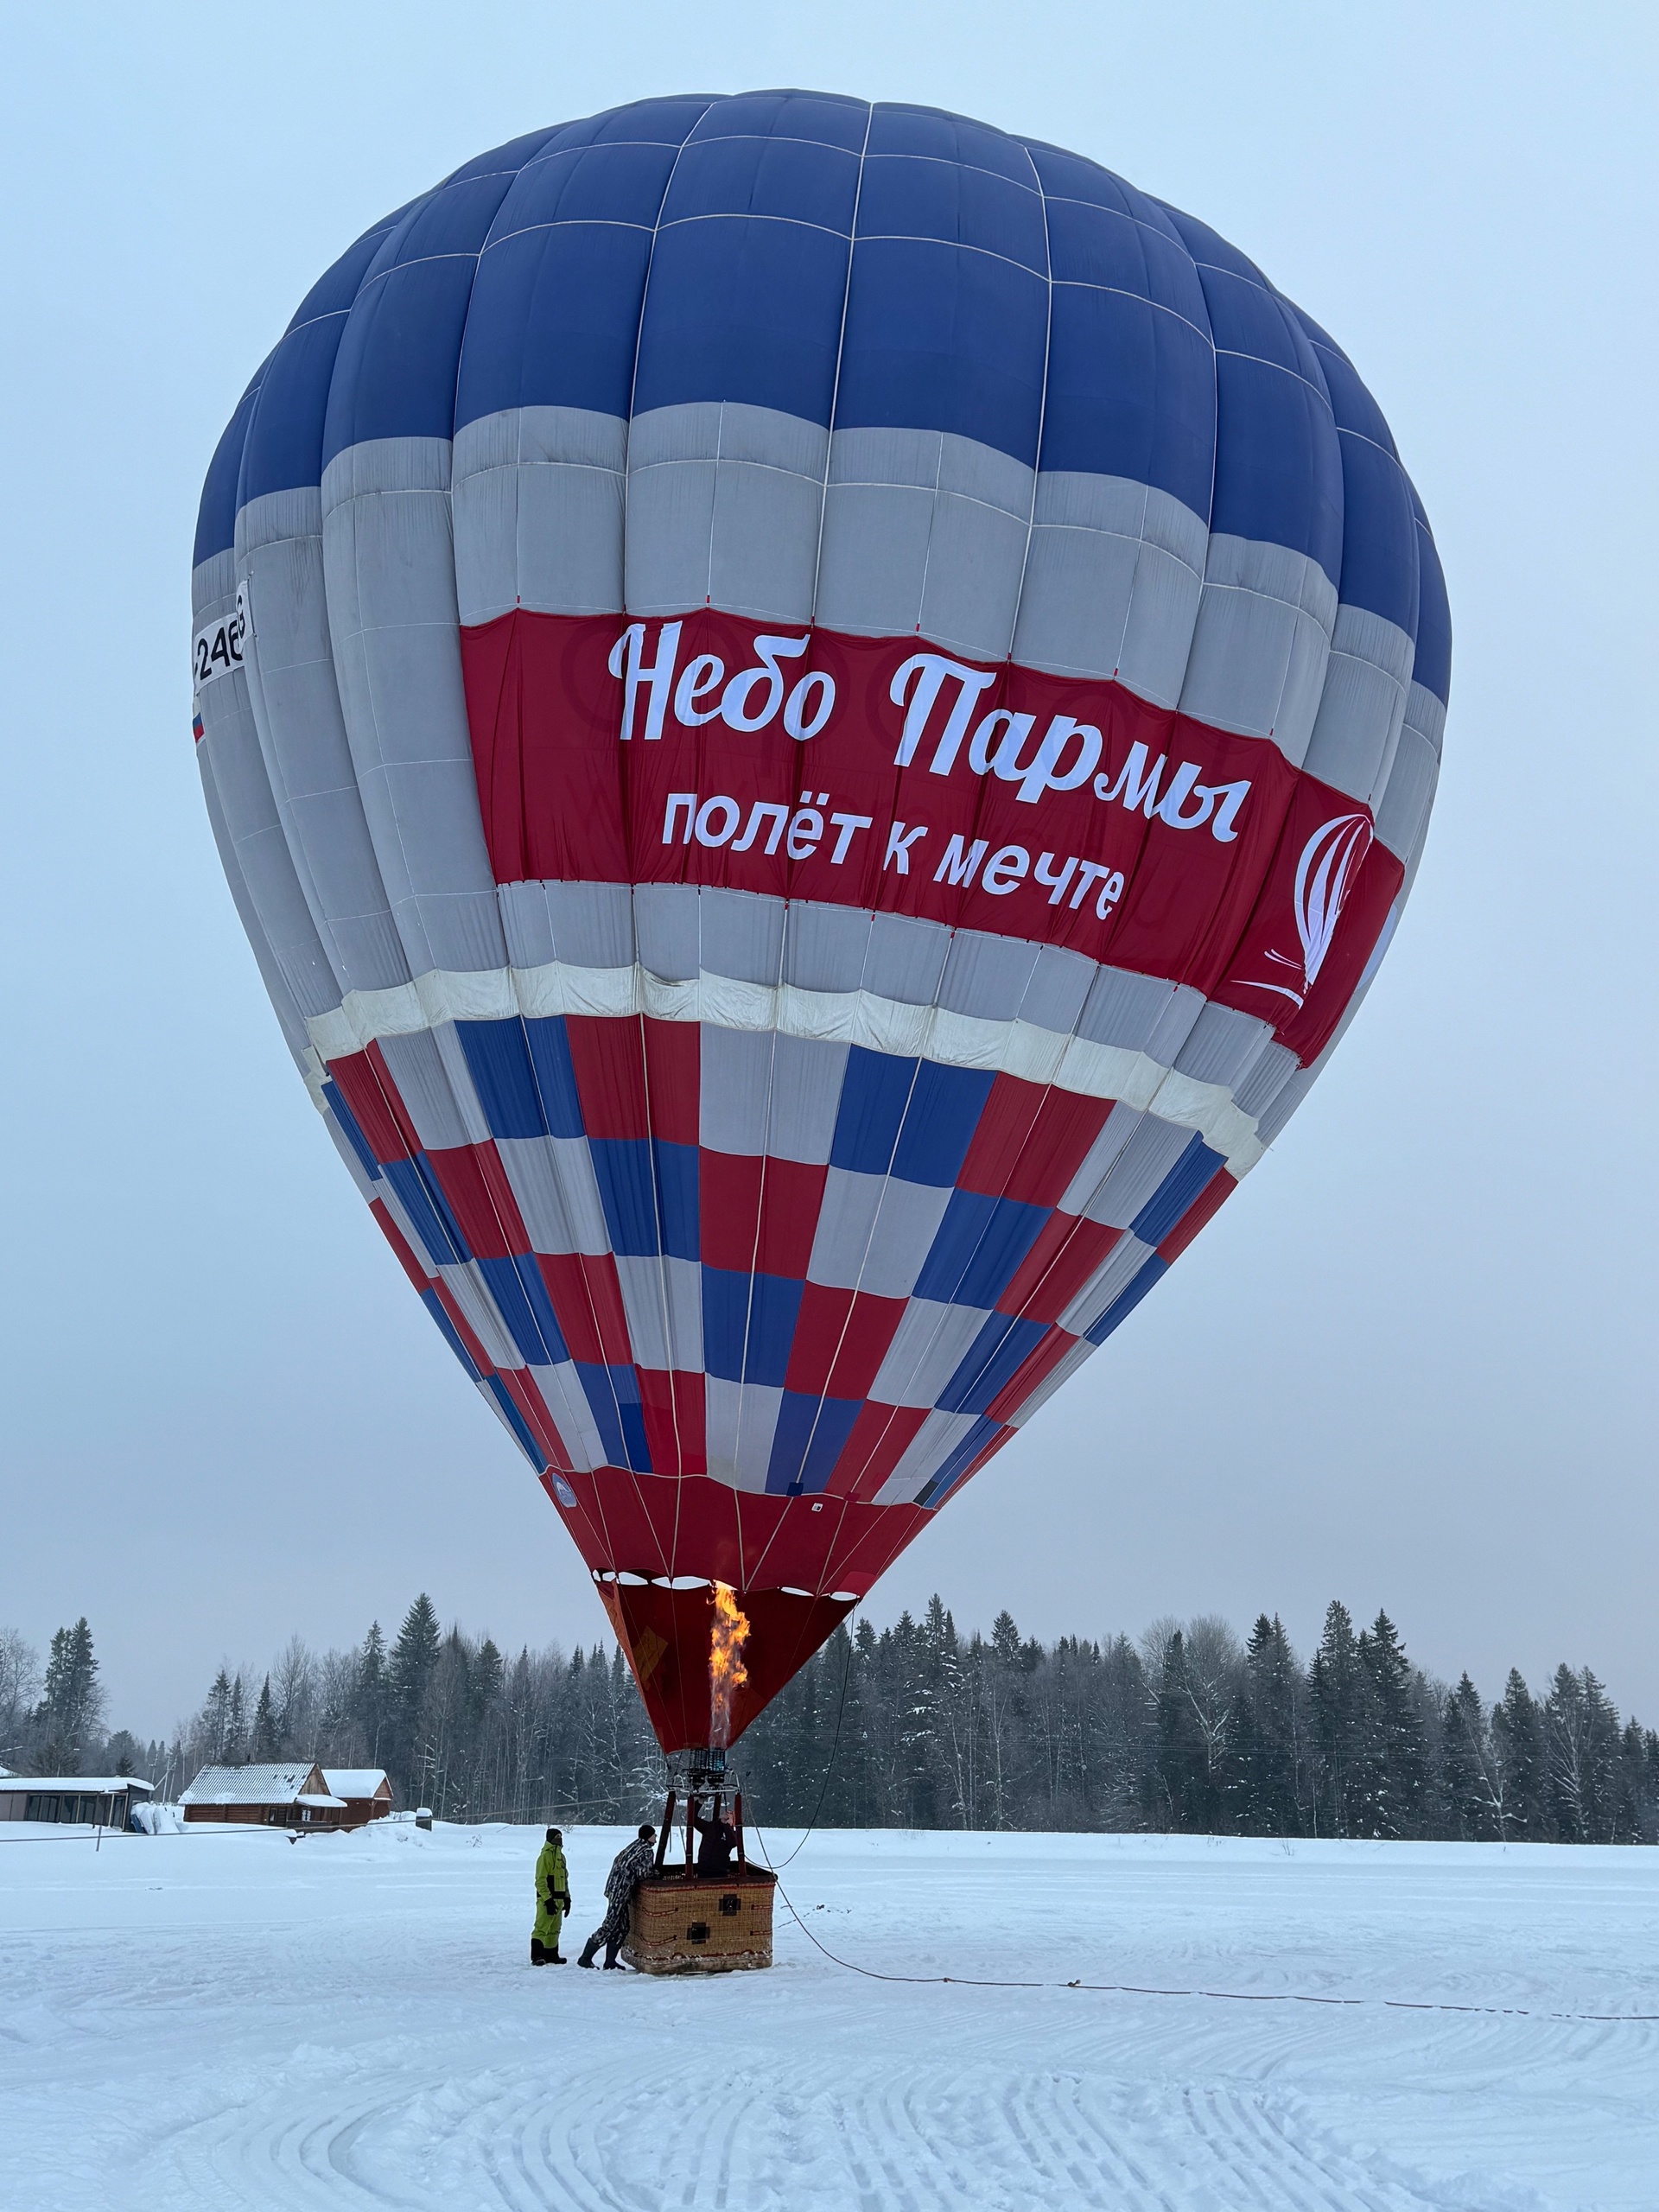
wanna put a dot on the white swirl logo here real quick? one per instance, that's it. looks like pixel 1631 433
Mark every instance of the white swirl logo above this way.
pixel 1331 861
pixel 1325 875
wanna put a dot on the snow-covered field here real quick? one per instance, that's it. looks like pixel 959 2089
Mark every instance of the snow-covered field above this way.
pixel 228 2019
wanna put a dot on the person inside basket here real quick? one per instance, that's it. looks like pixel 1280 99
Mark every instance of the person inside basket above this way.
pixel 628 1869
pixel 552 1902
pixel 717 1842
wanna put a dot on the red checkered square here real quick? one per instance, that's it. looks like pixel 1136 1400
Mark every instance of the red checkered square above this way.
pixel 759 1216
pixel 841 1339
pixel 791 1198
pixel 673 1406
pixel 880 1437
pixel 473 1180
pixel 1065 1255
pixel 609 1055
pixel 673 1078
pixel 365 1082
pixel 728 1208
pixel 1031 1141
pixel 587 1302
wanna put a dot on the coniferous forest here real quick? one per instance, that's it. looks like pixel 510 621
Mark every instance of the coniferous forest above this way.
pixel 1185 1729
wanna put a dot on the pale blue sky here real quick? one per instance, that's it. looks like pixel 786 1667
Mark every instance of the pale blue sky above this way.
pixel 1412 1364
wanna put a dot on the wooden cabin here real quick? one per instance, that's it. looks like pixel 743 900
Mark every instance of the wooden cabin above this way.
pixel 365 1790
pixel 291 1794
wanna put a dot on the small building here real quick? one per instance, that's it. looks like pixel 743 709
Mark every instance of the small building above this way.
pixel 290 1795
pixel 72 1799
pixel 367 1791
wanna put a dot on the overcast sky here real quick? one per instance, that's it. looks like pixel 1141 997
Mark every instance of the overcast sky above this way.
pixel 1412 1364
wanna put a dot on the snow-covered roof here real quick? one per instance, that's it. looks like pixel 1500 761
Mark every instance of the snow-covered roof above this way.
pixel 255 1785
pixel 94 1785
pixel 355 1781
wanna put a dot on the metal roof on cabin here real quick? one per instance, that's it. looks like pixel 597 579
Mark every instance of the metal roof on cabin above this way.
pixel 254 1785
pixel 97 1785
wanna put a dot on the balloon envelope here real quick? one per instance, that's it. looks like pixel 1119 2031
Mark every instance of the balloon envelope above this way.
pixel 816 714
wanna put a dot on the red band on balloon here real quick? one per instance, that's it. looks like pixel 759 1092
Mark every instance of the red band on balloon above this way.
pixel 892 775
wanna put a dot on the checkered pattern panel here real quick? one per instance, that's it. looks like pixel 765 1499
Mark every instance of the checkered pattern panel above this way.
pixel 797 1266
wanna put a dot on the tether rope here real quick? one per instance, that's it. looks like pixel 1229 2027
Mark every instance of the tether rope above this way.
pixel 987 1981
pixel 1215 1996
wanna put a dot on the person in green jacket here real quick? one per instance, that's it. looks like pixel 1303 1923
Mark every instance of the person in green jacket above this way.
pixel 552 1902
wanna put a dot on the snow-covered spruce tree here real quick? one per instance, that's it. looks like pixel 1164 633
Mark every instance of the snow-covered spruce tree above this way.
pixel 1464 1803
pixel 409 1672
pixel 1117 1727
pixel 1061 1691
pixel 785 1751
pixel 371 1694
pixel 1636 1815
pixel 809 1744
pixel 446 1729
pixel 843 1728
pixel 1336 1696
pixel 1581 1753
pixel 518 1737
pixel 71 1710
pixel 206 1741
pixel 267 1736
pixel 1273 1750
pixel 487 1677
pixel 916 1793
pixel 806 1752
pixel 953 1722
pixel 236 1722
pixel 832 1774
pixel 858 1730
pixel 1392 1768
pixel 1003 1686
pixel 215 1731
pixel 1179 1797
pixel 885 1742
pixel 1516 1733
pixel 123 1754
pixel 484 1724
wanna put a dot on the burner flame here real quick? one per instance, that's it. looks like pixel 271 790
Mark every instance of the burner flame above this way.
pixel 727 1673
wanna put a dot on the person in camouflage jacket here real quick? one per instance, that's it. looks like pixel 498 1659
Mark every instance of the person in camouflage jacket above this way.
pixel 628 1869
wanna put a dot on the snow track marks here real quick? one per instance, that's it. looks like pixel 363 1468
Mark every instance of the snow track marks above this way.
pixel 696 2138
pixel 229 2024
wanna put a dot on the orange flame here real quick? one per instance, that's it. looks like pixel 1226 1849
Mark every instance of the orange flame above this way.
pixel 727 1673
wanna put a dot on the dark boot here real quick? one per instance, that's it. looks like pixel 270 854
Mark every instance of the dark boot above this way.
pixel 612 1965
pixel 557 1959
pixel 538 1952
pixel 588 1950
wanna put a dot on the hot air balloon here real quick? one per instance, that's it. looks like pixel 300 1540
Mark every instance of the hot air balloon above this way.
pixel 817 714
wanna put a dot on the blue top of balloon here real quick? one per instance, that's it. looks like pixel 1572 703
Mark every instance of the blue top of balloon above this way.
pixel 852 266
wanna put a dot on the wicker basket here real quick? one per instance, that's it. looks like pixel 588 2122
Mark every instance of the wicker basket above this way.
pixel 690 1924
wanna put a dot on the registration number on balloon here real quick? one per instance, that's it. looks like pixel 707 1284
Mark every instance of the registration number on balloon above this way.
pixel 216 650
